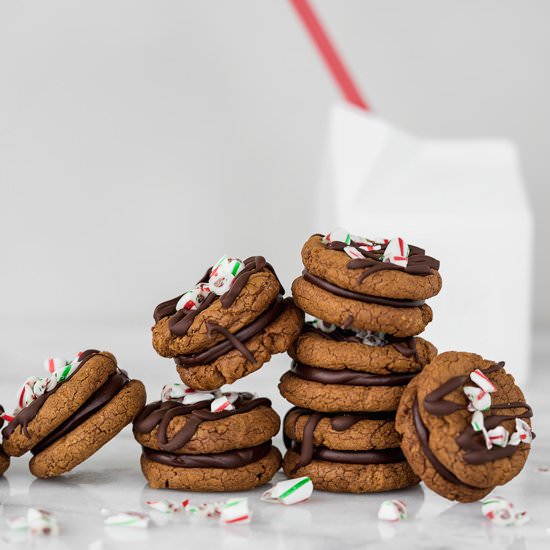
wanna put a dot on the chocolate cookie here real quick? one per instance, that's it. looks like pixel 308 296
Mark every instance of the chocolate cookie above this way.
pixel 218 366
pixel 4 458
pixel 64 419
pixel 220 334
pixel 465 426
pixel 208 441
pixel 367 273
pixel 335 348
pixel 343 390
pixel 344 308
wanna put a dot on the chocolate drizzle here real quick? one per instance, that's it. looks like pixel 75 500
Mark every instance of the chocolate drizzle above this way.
pixel 230 459
pixel 471 442
pixel 236 340
pixel 26 415
pixel 94 403
pixel 418 262
pixel 161 413
pixel 344 293
pixel 338 421
pixel 181 320
pixel 349 377
pixel 406 346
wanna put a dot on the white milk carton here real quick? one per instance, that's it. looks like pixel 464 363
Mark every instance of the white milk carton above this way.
pixel 464 202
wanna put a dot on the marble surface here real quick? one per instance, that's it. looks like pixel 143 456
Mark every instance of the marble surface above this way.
pixel 111 479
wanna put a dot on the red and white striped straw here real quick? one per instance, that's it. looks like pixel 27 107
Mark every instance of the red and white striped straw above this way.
pixel 328 52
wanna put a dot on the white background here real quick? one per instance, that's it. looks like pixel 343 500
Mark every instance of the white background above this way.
pixel 139 141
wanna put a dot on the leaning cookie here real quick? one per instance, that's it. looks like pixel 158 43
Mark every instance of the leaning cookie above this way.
pixel 4 458
pixel 354 453
pixel 202 441
pixel 229 325
pixel 331 347
pixel 67 417
pixel 465 426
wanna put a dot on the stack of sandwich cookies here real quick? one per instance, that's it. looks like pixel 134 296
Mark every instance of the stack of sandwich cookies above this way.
pixel 65 418
pixel 207 441
pixel 351 366
pixel 229 325
pixel 465 426
pixel 4 458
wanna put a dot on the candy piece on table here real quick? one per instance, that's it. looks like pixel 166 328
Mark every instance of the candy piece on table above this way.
pixel 479 400
pixel 289 491
pixel 127 519
pixel 193 298
pixel 42 522
pixel 223 274
pixel 51 364
pixel 337 235
pixel 221 404
pixel 164 506
pixel 397 252
pixel 522 434
pixel 17 523
pixel 235 511
pixel 501 512
pixel 393 510
pixel 479 378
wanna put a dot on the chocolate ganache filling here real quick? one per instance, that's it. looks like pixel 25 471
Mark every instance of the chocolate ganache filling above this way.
pixel 230 459
pixel 26 415
pixel 338 422
pixel 181 320
pixel 234 341
pixel 418 262
pixel 349 377
pixel 160 413
pixel 344 293
pixel 470 441
pixel 405 346
pixel 94 403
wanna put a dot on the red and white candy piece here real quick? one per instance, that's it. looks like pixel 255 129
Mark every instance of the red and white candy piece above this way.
pixel 192 397
pixel 235 511
pixel 498 436
pixel 397 252
pixel 193 298
pixel 522 434
pixel 174 391
pixel 51 364
pixel 42 522
pixel 290 491
pixel 28 392
pixel 164 506
pixel 393 510
pixel 6 417
pixel 501 512
pixel 353 253
pixel 223 274
pixel 479 400
pixel 479 378
pixel 221 404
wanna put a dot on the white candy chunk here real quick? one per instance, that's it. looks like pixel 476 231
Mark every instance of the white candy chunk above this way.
pixel 128 519
pixel 393 510
pixel 164 506
pixel 353 253
pixel 501 512
pixel 235 511
pixel 41 522
pixel 522 434
pixel 221 404
pixel 223 274
pixel 196 397
pixel 290 491
pixel 397 252
pixel 499 436
pixel 193 298
pixel 174 391
pixel 51 364
pixel 479 399
pixel 479 378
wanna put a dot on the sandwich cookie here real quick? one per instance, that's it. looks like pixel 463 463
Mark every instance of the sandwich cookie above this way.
pixel 371 285
pixel 207 441
pixel 465 426
pixel 65 418
pixel 4 458
pixel 354 453
pixel 229 325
